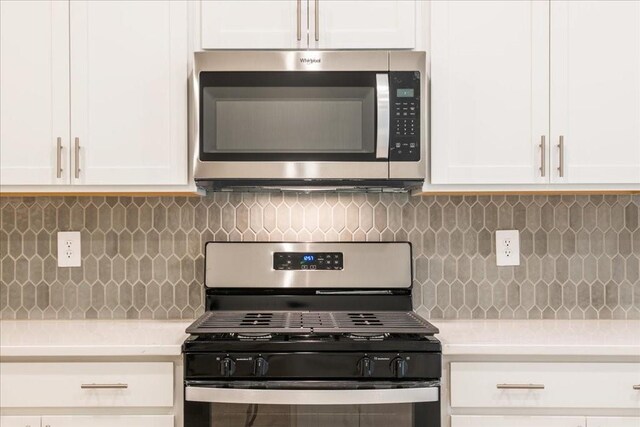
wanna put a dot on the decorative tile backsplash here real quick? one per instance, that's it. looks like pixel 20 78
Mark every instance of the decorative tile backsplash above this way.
pixel 142 257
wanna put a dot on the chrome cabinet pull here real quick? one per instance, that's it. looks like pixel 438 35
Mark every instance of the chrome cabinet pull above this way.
pixel 77 153
pixel 59 158
pixel 299 7
pixel 104 386
pixel 317 20
pixel 636 387
pixel 561 156
pixel 520 386
pixel 543 149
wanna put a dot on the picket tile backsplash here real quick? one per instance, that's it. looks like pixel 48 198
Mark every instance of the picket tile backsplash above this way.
pixel 142 257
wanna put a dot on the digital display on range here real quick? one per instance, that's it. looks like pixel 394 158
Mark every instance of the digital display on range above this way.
pixel 308 261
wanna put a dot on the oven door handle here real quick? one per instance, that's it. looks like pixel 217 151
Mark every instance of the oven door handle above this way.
pixel 384 116
pixel 311 397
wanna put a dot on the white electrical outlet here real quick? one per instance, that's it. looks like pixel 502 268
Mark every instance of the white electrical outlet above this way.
pixel 507 247
pixel 69 249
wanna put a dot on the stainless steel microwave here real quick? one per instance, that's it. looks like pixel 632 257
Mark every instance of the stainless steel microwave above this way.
pixel 344 120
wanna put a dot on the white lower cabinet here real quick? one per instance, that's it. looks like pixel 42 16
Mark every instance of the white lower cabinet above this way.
pixel 613 422
pixel 92 384
pixel 20 421
pixel 107 421
pixel 515 421
pixel 545 385
pixel 559 393
pixel 81 394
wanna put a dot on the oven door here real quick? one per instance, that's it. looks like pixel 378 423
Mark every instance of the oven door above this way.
pixel 293 125
pixel 312 403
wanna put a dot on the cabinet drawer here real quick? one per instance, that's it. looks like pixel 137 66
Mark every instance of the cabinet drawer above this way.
pixel 545 385
pixel 613 422
pixel 515 421
pixel 86 384
pixel 108 421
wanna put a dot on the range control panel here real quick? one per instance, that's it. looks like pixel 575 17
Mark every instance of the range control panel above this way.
pixel 404 144
pixel 308 261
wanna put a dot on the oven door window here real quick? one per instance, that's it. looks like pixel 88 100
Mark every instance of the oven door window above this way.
pixel 253 415
pixel 287 116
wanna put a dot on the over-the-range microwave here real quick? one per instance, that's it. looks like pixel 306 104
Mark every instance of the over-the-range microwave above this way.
pixel 304 120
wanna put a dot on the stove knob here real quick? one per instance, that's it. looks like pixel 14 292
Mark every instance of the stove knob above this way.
pixel 260 367
pixel 399 366
pixel 365 366
pixel 227 367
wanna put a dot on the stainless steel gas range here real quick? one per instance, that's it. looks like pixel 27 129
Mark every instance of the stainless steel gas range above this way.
pixel 311 334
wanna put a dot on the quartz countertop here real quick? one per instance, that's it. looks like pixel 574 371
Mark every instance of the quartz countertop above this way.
pixel 540 337
pixel 73 338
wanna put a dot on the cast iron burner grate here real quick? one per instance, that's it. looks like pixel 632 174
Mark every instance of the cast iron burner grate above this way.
pixel 307 322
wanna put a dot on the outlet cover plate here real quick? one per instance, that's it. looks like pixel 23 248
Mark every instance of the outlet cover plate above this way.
pixel 507 247
pixel 69 249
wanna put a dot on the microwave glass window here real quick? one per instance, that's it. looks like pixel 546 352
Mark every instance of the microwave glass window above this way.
pixel 296 120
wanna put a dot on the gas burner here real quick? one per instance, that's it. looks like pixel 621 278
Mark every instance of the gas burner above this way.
pixel 258 336
pixel 364 336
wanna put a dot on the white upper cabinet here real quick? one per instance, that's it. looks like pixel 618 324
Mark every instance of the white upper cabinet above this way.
pixel 489 92
pixel 254 24
pixel 595 91
pixel 535 92
pixel 357 24
pixel 308 24
pixel 129 63
pixel 34 92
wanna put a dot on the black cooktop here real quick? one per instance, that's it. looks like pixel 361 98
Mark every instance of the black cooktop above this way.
pixel 355 323
pixel 311 342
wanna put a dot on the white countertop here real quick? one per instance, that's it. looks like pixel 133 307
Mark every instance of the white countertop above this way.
pixel 92 337
pixel 25 338
pixel 540 337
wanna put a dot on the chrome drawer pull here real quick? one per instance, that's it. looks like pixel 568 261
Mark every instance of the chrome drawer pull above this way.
pixel 104 386
pixel 636 387
pixel 520 386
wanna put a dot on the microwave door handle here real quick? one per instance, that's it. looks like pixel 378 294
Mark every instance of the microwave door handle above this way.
pixel 384 116
pixel 311 397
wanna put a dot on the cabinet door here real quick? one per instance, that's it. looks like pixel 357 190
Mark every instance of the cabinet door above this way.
pixel 129 64
pixel 20 421
pixel 108 421
pixel 595 91
pixel 489 91
pixel 34 92
pixel 357 24
pixel 613 422
pixel 515 421
pixel 254 24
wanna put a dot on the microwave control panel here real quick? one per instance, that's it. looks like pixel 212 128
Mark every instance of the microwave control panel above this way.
pixel 404 132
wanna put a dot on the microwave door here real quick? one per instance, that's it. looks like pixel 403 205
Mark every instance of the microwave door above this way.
pixel 293 125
